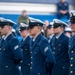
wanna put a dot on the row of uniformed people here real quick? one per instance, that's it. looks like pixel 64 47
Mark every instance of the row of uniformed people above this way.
pixel 59 45
pixel 37 54
pixel 42 59
pixel 63 47
pixel 67 31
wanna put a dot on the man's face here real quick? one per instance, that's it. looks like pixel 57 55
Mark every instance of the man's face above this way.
pixel 73 27
pixel 62 1
pixel 4 30
pixel 50 31
pixel 23 33
pixel 23 13
pixel 33 30
pixel 57 30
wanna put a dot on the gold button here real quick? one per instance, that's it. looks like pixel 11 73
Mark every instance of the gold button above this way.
pixel 71 71
pixel 53 52
pixel 71 65
pixel 30 67
pixel 3 49
pixel 72 51
pixel 31 62
pixel 21 61
pixel 38 73
pixel 0 48
pixel 31 57
pixel 71 58
pixel 31 52
pixel 6 66
pixel 54 47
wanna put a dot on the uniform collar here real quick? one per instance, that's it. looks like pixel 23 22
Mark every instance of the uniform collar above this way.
pixel 34 39
pixel 26 38
pixel 58 36
pixel 6 36
pixel 51 36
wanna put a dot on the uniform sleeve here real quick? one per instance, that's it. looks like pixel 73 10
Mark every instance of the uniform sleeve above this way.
pixel 67 6
pixel 47 53
pixel 58 7
pixel 14 44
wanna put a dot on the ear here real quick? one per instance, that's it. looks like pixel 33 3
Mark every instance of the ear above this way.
pixel 62 28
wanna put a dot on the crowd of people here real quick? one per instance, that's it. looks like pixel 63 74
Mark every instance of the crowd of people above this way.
pixel 37 54
pixel 46 48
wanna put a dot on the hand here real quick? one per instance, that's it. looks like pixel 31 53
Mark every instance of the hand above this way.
pixel 63 12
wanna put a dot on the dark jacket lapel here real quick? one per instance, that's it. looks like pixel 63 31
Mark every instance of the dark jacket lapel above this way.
pixel 36 41
pixel 26 41
pixel 72 43
pixel 53 41
pixel 59 39
pixel 6 40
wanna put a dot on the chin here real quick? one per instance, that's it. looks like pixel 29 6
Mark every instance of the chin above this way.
pixel 31 34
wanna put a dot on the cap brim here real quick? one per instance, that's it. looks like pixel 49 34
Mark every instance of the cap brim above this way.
pixel 59 25
pixel 23 28
pixel 6 23
pixel 49 26
pixel 30 27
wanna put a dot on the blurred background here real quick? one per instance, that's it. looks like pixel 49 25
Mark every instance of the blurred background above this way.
pixel 40 9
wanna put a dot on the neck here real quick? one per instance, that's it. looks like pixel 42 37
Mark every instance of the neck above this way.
pixel 26 36
pixel 50 34
pixel 8 33
pixel 36 35
pixel 57 34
